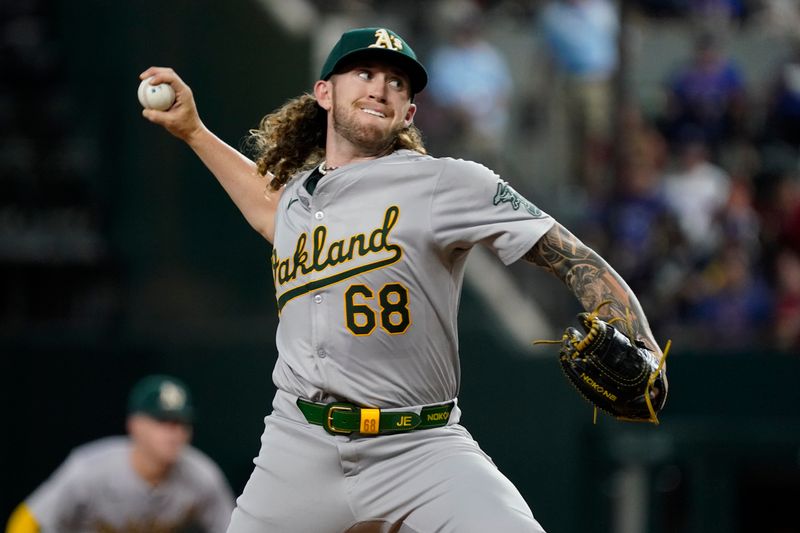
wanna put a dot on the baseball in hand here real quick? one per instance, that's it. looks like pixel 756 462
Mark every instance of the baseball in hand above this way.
pixel 160 97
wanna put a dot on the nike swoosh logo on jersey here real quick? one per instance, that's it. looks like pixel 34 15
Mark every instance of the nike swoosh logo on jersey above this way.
pixel 293 200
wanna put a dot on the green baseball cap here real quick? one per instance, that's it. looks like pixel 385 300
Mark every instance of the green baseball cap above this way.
pixel 380 44
pixel 163 398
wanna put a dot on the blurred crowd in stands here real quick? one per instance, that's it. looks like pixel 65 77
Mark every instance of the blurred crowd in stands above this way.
pixel 696 202
pixel 694 199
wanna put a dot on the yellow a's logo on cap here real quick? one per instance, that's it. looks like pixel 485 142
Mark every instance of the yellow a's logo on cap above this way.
pixel 171 396
pixel 386 40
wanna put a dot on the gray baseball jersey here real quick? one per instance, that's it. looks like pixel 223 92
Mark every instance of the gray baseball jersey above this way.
pixel 368 273
pixel 96 490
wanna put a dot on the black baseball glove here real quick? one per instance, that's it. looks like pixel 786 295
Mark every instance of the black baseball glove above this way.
pixel 612 370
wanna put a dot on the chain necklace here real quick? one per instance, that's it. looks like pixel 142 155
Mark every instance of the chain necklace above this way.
pixel 325 169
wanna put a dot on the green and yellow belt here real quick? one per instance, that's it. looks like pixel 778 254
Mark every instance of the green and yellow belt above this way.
pixel 342 418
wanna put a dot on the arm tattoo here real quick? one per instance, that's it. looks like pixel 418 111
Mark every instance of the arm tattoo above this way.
pixel 589 277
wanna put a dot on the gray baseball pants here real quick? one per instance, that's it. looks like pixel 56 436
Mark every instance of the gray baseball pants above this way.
pixel 434 480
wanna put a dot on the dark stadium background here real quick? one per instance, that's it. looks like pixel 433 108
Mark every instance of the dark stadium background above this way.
pixel 120 255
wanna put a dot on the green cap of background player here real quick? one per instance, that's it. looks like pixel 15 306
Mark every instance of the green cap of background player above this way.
pixel 163 398
pixel 377 43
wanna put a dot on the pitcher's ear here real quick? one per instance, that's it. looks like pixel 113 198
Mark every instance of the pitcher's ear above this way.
pixel 412 110
pixel 322 92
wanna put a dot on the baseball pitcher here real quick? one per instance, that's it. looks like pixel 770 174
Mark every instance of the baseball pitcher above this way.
pixel 370 235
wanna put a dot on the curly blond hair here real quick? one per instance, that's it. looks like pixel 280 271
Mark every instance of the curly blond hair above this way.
pixel 292 139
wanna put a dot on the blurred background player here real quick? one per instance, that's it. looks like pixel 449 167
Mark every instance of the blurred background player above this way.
pixel 153 480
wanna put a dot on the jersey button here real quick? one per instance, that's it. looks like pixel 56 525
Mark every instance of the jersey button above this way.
pixel 319 215
pixel 322 353
pixel 318 298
